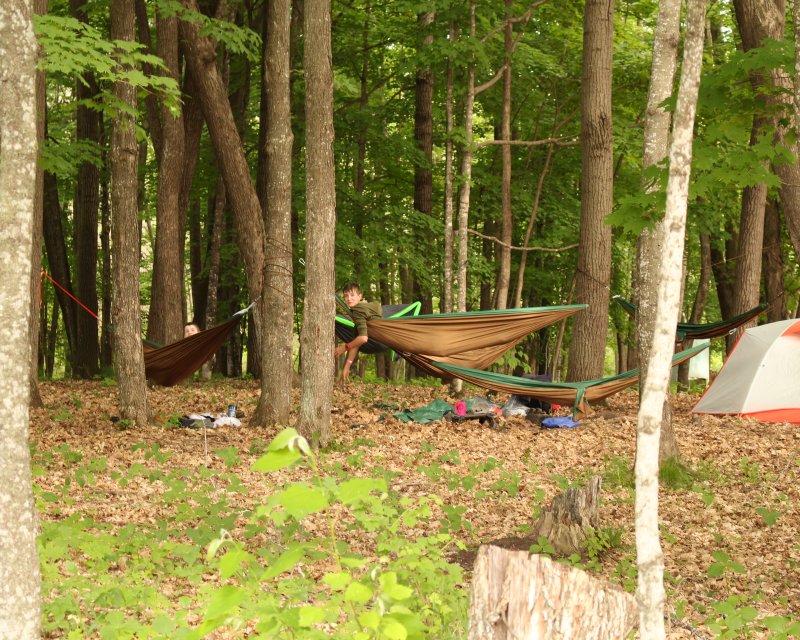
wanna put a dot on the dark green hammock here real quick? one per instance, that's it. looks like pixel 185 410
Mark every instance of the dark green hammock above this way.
pixel 576 394
pixel 703 331
pixel 346 332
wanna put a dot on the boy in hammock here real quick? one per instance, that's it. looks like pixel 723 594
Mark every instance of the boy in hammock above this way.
pixel 361 312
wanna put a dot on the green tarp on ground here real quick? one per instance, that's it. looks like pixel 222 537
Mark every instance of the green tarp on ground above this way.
pixel 430 413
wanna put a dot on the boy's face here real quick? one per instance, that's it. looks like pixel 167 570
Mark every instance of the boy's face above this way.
pixel 190 330
pixel 352 298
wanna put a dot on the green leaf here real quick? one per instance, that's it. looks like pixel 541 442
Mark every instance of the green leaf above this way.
pixel 794 629
pixel 735 566
pixel 337 581
pixel 299 501
pixel 358 592
pixel 370 620
pixel 391 588
pixel 720 556
pixel 275 460
pixel 230 562
pixel 284 562
pixel 716 570
pixel 395 630
pixel 311 615
pixel 775 623
pixel 223 600
pixel 357 489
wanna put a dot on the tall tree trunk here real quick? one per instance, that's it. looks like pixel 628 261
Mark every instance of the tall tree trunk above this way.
pixel 448 185
pixel 587 353
pixel 20 590
pixel 700 299
pixel 197 241
pixel 39 8
pixel 650 244
pixel 106 356
pixel 86 358
pixel 423 136
pixel 50 357
pixel 317 336
pixel 247 217
pixel 722 268
pixel 506 234
pixel 466 174
pixel 650 558
pixel 773 264
pixel 58 261
pixel 133 403
pixel 276 355
pixel 213 259
pixel 165 323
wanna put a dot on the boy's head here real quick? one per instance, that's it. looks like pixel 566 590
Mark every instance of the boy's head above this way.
pixel 351 294
pixel 190 329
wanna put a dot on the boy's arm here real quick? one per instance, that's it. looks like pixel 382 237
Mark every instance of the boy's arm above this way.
pixel 352 351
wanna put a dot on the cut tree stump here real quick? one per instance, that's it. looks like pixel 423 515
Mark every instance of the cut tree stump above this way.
pixel 520 596
pixel 565 522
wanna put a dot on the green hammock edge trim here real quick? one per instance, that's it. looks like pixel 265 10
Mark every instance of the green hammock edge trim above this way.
pixel 524 383
pixel 684 328
pixel 494 312
pixel 413 309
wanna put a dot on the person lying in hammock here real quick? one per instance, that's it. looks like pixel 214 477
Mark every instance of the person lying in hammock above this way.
pixel 361 312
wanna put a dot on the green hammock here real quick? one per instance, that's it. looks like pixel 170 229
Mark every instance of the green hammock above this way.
pixel 703 331
pixel 345 328
pixel 577 394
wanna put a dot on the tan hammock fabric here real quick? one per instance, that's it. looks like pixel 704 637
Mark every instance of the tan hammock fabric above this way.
pixel 476 359
pixel 446 334
pixel 177 361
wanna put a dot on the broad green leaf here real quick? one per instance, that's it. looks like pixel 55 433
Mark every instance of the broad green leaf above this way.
pixel 311 615
pixel 230 562
pixel 275 460
pixel 370 620
pixel 716 570
pixel 357 489
pixel 300 500
pixel 284 562
pixel 720 556
pixel 337 581
pixel 163 624
pixel 793 629
pixel 223 600
pixel 392 589
pixel 735 566
pixel 358 592
pixel 775 623
pixel 394 630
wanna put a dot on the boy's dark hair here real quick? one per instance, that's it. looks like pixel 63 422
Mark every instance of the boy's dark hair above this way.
pixel 192 324
pixel 351 287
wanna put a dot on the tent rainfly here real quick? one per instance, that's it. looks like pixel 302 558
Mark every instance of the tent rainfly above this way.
pixel 761 377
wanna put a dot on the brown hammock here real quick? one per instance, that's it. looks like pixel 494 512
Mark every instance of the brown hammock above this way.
pixel 177 361
pixel 476 337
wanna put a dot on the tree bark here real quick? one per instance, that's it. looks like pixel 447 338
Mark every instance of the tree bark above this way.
pixel 165 323
pixel 317 335
pixel 520 596
pixel 133 403
pixel 587 353
pixel 722 268
pixel 106 355
pixel 214 268
pixel 86 358
pixel 569 519
pixel 773 264
pixel 276 359
pixel 20 590
pixel 650 559
pixel 39 8
pixel 700 299
pixel 247 217
pixel 448 185
pixel 49 360
pixel 58 261
pixel 423 174
pixel 504 275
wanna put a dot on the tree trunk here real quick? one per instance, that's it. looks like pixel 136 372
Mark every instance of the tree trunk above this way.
pixel 650 558
pixel 423 174
pixel 276 355
pixel 448 185
pixel 165 323
pixel 466 174
pixel 39 8
pixel 247 218
pixel 106 355
pixel 520 596
pixel 569 519
pixel 213 268
pixel 58 261
pixel 133 403
pixel 317 336
pixel 86 357
pixel 506 234
pixel 49 360
pixel 198 240
pixel 773 264
pixel 723 264
pixel 20 590
pixel 587 353
pixel 700 298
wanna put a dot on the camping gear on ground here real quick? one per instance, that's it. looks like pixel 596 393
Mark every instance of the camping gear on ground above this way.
pixel 559 422
pixel 346 332
pixel 761 377
pixel 577 394
pixel 483 418
pixel 474 409
pixel 517 402
pixel 516 406
pixel 708 330
pixel 460 408
pixel 434 411
pixel 198 421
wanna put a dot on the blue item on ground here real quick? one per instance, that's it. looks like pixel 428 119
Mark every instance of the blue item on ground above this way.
pixel 558 422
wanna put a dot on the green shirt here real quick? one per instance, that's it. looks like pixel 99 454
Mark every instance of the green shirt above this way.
pixel 364 311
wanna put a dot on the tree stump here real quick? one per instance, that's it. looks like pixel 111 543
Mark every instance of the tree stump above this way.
pixel 519 596
pixel 565 521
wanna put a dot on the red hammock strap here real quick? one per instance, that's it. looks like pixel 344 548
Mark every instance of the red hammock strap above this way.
pixel 64 290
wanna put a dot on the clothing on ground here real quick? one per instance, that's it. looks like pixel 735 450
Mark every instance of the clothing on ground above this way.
pixel 363 312
pixel 559 422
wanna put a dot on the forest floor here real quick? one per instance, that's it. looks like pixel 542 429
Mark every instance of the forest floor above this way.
pixel 736 465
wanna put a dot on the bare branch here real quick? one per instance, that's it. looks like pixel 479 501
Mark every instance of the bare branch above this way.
pixel 369 93
pixel 523 18
pixel 500 242
pixel 532 143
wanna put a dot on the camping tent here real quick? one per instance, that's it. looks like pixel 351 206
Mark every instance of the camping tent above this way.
pixel 761 377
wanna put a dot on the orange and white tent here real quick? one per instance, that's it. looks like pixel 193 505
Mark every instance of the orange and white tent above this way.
pixel 761 377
